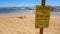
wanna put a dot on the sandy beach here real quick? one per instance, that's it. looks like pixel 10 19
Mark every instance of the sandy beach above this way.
pixel 26 25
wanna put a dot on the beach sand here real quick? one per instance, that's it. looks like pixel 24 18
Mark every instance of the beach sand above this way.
pixel 26 25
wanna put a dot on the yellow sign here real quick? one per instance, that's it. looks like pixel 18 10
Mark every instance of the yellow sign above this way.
pixel 42 16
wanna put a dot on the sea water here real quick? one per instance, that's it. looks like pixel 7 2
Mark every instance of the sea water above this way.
pixel 14 11
pixel 19 12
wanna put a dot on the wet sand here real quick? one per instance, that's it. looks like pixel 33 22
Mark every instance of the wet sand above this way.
pixel 26 25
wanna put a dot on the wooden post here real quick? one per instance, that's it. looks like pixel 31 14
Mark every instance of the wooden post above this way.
pixel 41 30
pixel 43 4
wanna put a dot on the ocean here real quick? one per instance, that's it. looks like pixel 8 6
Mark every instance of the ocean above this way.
pixel 21 11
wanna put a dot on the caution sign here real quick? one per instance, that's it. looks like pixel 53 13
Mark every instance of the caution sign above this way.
pixel 42 16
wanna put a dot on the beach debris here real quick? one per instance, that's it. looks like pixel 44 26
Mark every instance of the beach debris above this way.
pixel 22 17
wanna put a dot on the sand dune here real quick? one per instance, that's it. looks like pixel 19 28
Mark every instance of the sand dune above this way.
pixel 26 25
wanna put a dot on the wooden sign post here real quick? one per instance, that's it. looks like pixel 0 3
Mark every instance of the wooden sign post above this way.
pixel 43 4
pixel 42 16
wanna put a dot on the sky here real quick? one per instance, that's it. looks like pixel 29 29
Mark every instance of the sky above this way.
pixel 9 3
